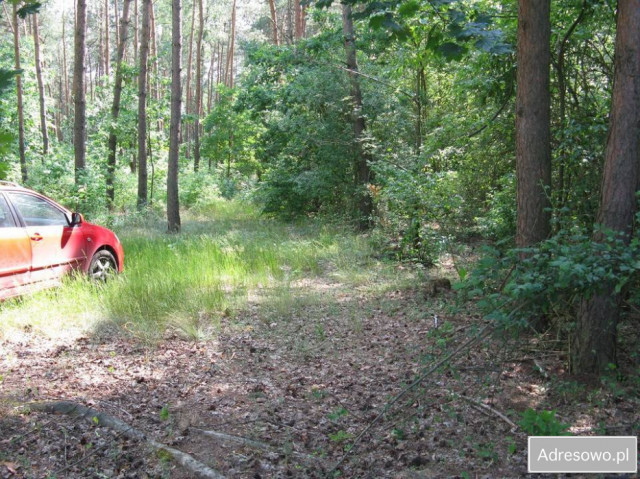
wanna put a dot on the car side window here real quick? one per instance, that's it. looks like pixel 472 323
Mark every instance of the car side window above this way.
pixel 37 212
pixel 6 218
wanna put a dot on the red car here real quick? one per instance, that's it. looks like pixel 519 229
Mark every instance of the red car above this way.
pixel 40 241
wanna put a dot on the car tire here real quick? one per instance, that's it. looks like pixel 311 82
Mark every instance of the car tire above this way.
pixel 103 266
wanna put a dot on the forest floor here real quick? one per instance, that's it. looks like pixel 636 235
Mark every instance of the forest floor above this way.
pixel 288 382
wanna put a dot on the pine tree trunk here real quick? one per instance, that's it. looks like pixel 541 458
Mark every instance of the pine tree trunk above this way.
pixel 42 103
pixel 142 107
pixel 274 22
pixel 16 50
pixel 533 147
pixel 64 67
pixel 107 52
pixel 363 173
pixel 79 95
pixel 231 51
pixel 197 109
pixel 115 107
pixel 596 330
pixel 173 202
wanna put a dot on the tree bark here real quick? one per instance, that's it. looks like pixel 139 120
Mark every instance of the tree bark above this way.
pixel 16 50
pixel 274 22
pixel 107 53
pixel 142 107
pixel 299 14
pixel 42 103
pixel 231 50
pixel 533 147
pixel 596 335
pixel 173 202
pixel 363 174
pixel 115 106
pixel 197 110
pixel 79 126
pixel 64 66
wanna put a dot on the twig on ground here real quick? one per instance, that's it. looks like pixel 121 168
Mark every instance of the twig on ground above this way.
pixel 256 445
pixel 96 417
pixel 493 411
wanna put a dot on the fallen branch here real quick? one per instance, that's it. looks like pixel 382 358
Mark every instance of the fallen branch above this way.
pixel 96 417
pixel 316 461
pixel 488 408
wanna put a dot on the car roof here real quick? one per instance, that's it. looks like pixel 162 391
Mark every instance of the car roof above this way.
pixel 10 184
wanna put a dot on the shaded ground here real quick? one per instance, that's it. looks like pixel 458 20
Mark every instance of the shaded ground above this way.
pixel 302 371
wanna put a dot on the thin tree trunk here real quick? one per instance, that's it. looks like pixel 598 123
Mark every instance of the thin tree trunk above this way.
pixel 173 201
pixel 210 78
pixel 135 32
pixel 115 107
pixel 107 52
pixel 197 110
pixel 58 115
pixel 115 19
pixel 142 107
pixel 16 50
pixel 64 66
pixel 79 96
pixel 154 54
pixel 596 330
pixel 220 78
pixel 298 14
pixel 231 52
pixel 363 173
pixel 188 99
pixel 533 136
pixel 274 21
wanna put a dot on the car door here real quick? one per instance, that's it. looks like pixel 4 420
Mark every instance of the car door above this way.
pixel 15 252
pixel 56 247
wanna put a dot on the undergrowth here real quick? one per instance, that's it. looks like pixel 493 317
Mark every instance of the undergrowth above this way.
pixel 191 281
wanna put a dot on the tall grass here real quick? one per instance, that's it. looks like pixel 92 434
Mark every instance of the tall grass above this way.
pixel 190 281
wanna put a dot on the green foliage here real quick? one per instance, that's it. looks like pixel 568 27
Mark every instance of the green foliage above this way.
pixel 552 278
pixel 164 413
pixel 543 423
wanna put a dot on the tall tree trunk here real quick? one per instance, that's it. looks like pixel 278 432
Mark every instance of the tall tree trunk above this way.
pixel 210 78
pixel 231 51
pixel 198 105
pixel 299 14
pixel 533 147
pixel 363 173
pixel 274 22
pixel 107 51
pixel 157 94
pixel 43 108
pixel 173 201
pixel 64 67
pixel 115 19
pixel 188 97
pixel 596 335
pixel 16 50
pixel 142 107
pixel 79 126
pixel 220 73
pixel 135 31
pixel 115 107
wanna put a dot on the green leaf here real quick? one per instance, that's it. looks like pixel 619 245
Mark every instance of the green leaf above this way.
pixel 451 51
pixel 29 9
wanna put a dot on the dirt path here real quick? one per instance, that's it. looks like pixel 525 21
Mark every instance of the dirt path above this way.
pixel 302 374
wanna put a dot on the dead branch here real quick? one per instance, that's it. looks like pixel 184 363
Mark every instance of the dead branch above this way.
pixel 491 410
pixel 306 458
pixel 96 417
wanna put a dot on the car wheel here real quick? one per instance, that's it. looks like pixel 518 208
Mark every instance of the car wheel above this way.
pixel 103 266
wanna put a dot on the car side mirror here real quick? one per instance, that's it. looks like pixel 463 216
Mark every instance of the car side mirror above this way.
pixel 76 219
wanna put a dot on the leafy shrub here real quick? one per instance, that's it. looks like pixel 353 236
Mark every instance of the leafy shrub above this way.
pixel 543 423
pixel 552 278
